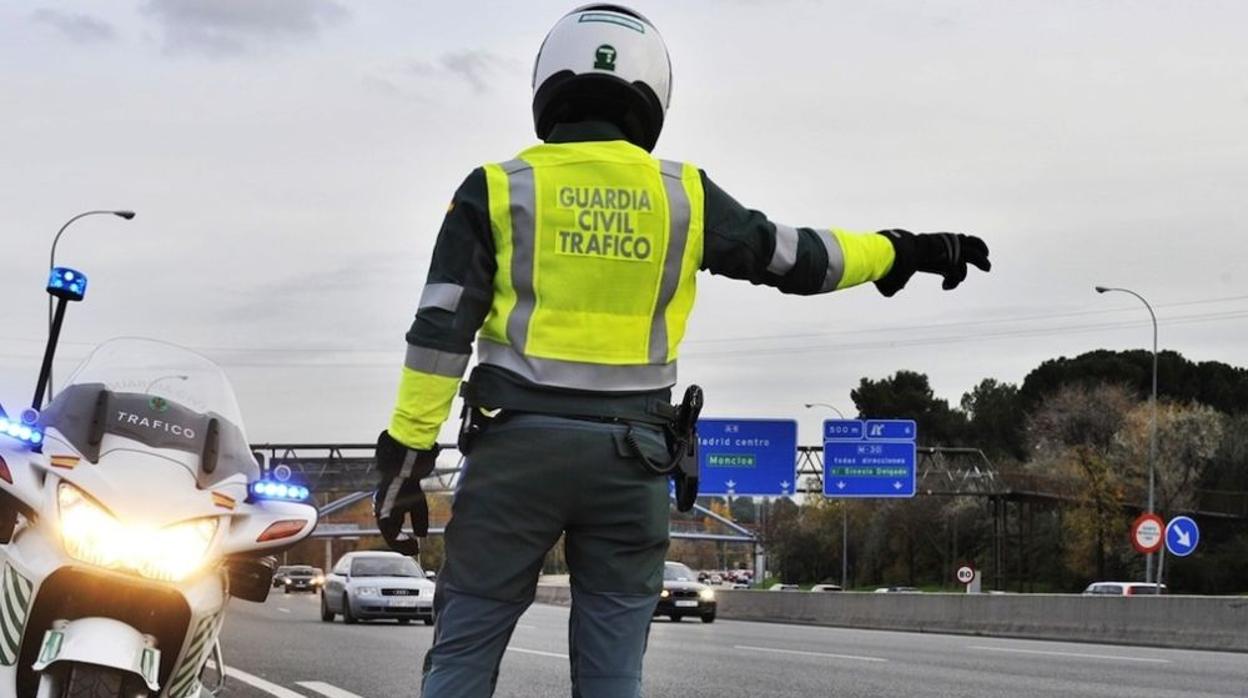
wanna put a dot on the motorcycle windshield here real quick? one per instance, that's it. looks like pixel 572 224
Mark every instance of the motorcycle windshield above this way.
pixel 176 402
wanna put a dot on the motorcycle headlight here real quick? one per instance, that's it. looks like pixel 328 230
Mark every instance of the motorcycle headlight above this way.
pixel 707 594
pixel 93 535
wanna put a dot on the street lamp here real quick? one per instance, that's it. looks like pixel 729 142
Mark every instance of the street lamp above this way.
pixel 1152 437
pixel 824 404
pixel 127 215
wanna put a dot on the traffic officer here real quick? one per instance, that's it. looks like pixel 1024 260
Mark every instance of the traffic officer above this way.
pixel 573 266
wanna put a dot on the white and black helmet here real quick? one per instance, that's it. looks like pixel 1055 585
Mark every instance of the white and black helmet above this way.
pixel 607 62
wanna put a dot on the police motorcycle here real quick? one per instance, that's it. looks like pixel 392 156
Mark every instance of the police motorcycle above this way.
pixel 131 510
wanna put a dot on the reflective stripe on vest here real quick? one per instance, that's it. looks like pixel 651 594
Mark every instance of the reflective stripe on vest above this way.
pixel 597 248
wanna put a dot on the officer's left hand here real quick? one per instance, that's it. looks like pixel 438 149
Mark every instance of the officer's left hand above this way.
pixel 946 254
pixel 399 495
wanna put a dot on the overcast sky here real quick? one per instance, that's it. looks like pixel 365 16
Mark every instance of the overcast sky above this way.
pixel 290 161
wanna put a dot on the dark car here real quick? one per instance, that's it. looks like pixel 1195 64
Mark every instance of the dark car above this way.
pixel 279 574
pixel 683 595
pixel 301 578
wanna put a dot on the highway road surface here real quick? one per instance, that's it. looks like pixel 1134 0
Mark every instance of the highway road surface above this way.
pixel 282 649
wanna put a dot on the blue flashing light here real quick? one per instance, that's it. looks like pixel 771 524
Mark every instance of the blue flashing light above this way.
pixel 22 432
pixel 67 283
pixel 264 489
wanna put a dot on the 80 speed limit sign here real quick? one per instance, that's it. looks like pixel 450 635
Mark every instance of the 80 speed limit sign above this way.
pixel 966 574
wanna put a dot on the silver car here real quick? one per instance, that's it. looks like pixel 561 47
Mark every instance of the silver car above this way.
pixel 368 585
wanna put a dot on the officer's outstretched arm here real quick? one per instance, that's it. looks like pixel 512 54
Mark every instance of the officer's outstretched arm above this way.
pixel 742 243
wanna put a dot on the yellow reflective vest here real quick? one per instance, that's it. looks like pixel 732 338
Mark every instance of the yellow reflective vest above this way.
pixel 598 247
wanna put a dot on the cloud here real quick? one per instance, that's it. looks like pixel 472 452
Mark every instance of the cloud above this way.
pixel 472 66
pixel 230 27
pixel 81 28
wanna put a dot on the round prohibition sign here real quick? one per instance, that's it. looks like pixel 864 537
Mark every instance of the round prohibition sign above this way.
pixel 1147 533
pixel 966 574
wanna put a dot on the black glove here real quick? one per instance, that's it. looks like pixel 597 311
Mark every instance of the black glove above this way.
pixel 399 495
pixel 946 254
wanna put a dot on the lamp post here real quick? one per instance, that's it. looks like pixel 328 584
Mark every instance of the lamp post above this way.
pixel 127 215
pixel 824 404
pixel 844 513
pixel 1152 437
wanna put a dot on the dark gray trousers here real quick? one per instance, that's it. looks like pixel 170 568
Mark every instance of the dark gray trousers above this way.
pixel 528 480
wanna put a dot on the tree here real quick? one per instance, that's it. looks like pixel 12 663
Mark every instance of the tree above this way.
pixel 996 420
pixel 1229 469
pixel 909 395
pixel 1073 435
pixel 1223 387
pixel 1188 437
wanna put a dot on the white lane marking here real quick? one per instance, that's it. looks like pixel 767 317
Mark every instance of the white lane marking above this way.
pixel 539 653
pixel 326 689
pixel 257 682
pixel 1074 655
pixel 803 653
pixel 284 610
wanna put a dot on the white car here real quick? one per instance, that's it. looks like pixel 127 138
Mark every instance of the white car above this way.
pixel 377 584
pixel 1122 589
pixel 826 587
pixel 784 587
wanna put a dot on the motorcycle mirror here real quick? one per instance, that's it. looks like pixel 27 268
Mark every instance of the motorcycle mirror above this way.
pixel 251 578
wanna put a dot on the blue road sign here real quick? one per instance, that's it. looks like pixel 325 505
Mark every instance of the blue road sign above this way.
pixel 873 459
pixel 900 429
pixel 1182 536
pixel 842 429
pixel 747 457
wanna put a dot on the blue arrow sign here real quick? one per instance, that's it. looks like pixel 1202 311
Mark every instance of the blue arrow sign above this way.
pixel 872 459
pixel 1182 536
pixel 747 457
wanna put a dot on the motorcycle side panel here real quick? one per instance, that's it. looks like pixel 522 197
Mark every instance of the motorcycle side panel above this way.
pixel 18 593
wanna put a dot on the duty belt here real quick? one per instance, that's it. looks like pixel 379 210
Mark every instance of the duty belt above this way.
pixel 679 422
pixel 495 393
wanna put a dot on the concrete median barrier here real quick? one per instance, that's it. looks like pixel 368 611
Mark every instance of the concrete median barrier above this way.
pixel 1183 622
pixel 1188 622
pixel 554 594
